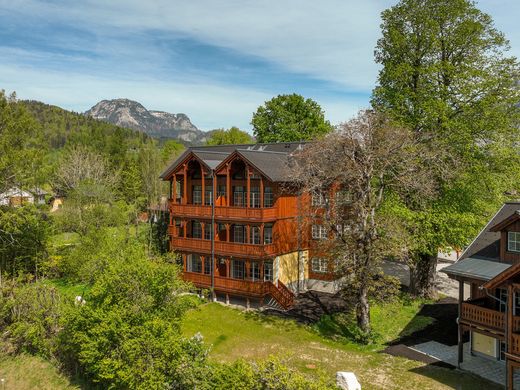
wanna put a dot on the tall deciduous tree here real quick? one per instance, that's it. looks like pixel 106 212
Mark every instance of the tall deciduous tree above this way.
pixel 229 137
pixel 445 75
pixel 366 159
pixel 289 118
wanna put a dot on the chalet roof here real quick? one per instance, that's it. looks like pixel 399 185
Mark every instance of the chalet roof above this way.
pixel 487 244
pixel 269 158
pixel 476 268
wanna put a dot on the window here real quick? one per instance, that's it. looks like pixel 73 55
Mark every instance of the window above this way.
pixel 319 264
pixel 196 229
pixel 254 235
pixel 343 197
pixel 208 229
pixel 207 265
pixel 268 197
pixel 255 270
pixel 197 194
pixel 318 199
pixel 513 241
pixel 178 190
pixel 208 196
pixel 268 271
pixel 238 196
pixel 237 269
pixel 221 191
pixel 319 232
pixel 194 263
pixel 254 197
pixel 268 234
pixel 238 233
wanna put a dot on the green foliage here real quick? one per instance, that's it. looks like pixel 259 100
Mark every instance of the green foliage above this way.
pixel 29 317
pixel 289 118
pixel 24 232
pixel 170 150
pixel 127 333
pixel 20 145
pixel 229 137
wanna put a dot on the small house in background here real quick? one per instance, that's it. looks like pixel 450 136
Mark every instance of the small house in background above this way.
pixel 16 197
pixel 39 195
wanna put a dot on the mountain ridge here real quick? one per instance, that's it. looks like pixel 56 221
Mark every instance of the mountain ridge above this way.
pixel 129 113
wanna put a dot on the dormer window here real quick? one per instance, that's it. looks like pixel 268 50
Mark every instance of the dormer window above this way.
pixel 513 241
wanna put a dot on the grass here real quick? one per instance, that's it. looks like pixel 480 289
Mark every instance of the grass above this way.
pixel 66 288
pixel 236 334
pixel 25 372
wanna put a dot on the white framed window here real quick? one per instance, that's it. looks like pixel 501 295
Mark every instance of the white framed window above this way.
pixel 268 197
pixel 254 233
pixel 238 196
pixel 319 264
pixel 208 229
pixel 194 263
pixel 268 271
pixel 197 194
pixel 207 265
pixel 254 197
pixel 318 199
pixel 237 269
pixel 319 232
pixel 513 241
pixel 238 233
pixel 268 234
pixel 196 229
pixel 208 196
pixel 255 270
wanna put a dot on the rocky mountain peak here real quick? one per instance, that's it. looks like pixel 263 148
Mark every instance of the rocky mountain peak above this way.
pixel 159 124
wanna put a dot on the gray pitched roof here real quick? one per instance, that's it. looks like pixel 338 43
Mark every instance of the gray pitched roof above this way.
pixel 475 268
pixel 269 158
pixel 487 243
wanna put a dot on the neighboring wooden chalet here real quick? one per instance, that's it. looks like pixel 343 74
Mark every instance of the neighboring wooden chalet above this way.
pixel 252 233
pixel 491 314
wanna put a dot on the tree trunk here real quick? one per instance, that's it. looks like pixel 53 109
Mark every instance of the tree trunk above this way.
pixel 422 276
pixel 363 309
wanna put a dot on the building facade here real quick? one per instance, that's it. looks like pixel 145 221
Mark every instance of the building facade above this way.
pixel 237 223
pixel 490 315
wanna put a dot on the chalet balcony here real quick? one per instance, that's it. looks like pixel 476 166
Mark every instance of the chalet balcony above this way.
pixel 252 288
pixel 223 212
pixel 223 247
pixel 480 313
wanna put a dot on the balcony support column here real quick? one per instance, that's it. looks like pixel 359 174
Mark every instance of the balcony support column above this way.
pixel 203 229
pixel 185 192
pixel 228 228
pixel 228 185
pixel 248 269
pixel 174 189
pixel 228 267
pixel 185 229
pixel 248 174
pixel 184 262
pixel 460 344
pixel 262 271
pixel 261 191
pixel 203 261
pixel 509 336
pixel 262 234
pixel 203 182
pixel 248 234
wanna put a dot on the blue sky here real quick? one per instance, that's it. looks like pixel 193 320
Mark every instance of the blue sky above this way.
pixel 216 61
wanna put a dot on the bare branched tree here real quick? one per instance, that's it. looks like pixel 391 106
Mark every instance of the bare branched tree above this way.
pixel 357 166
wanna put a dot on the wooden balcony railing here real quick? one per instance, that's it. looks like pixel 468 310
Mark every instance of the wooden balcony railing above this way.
pixel 483 316
pixel 223 247
pixel 222 212
pixel 241 286
pixel 515 345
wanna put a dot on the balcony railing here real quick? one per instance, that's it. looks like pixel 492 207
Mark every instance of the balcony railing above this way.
pixel 487 318
pixel 241 286
pixel 223 247
pixel 223 212
pixel 515 345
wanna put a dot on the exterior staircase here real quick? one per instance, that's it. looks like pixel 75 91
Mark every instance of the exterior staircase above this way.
pixel 281 296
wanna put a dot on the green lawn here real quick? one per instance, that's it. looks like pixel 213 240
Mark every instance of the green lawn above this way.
pixel 25 372
pixel 234 333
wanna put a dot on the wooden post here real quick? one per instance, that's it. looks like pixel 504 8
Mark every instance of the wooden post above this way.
pixel 185 194
pixel 202 229
pixel 262 271
pixel 248 269
pixel 185 229
pixel 247 303
pixel 203 183
pixel 203 260
pixel 174 189
pixel 248 234
pixel 509 319
pixel 184 267
pixel 248 185
pixel 460 344
pixel 228 267
pixel 262 234
pixel 228 185
pixel 214 194
pixel 261 191
pixel 227 299
pixel 228 228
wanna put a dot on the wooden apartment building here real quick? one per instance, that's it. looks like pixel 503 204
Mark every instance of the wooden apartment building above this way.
pixel 490 267
pixel 236 222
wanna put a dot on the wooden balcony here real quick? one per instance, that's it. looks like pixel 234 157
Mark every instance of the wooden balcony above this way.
pixel 515 345
pixel 223 212
pixel 244 287
pixel 474 313
pixel 223 247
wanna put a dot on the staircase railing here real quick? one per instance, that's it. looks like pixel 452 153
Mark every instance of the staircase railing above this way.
pixel 281 294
